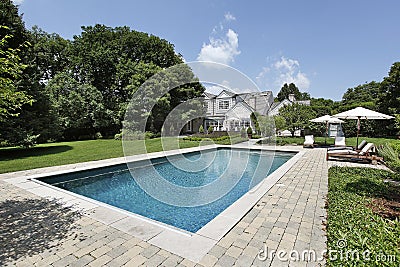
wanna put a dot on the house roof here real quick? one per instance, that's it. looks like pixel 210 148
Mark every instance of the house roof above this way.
pixel 209 95
pixel 229 93
pixel 274 105
pixel 243 104
pixel 258 101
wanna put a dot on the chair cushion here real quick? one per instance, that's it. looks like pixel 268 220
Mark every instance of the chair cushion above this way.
pixel 361 145
pixel 342 151
pixel 366 148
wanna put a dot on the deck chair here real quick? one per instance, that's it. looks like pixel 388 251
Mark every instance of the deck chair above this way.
pixel 358 148
pixel 309 141
pixel 367 153
pixel 340 141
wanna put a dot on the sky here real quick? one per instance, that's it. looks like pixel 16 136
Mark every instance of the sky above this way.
pixel 324 47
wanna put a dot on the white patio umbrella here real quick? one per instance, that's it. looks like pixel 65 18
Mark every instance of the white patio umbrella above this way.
pixel 360 113
pixel 327 119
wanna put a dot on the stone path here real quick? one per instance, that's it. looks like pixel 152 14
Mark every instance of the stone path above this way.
pixel 288 219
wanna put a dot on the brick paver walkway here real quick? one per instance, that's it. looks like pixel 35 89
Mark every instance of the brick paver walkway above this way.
pixel 288 219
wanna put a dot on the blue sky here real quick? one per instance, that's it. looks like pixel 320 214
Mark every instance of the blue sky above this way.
pixel 324 47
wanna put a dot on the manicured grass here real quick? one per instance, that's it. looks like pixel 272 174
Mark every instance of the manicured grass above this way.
pixel 53 154
pixel 351 141
pixel 362 216
pixel 377 141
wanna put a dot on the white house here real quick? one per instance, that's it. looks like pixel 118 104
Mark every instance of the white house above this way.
pixel 228 111
pixel 276 106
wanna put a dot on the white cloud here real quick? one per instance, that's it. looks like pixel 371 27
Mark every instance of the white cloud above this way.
pixel 229 17
pixel 284 70
pixel 222 50
pixel 223 45
pixel 17 2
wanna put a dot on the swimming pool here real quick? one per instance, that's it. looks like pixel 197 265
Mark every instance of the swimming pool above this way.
pixel 212 179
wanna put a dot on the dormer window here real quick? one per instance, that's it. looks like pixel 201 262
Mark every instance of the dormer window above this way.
pixel 223 104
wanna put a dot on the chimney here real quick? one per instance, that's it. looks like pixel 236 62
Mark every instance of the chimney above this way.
pixel 292 98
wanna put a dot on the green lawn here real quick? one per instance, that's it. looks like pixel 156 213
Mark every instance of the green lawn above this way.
pixel 53 154
pixel 362 216
pixel 351 141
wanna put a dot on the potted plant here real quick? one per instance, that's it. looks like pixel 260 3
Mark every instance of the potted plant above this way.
pixel 249 132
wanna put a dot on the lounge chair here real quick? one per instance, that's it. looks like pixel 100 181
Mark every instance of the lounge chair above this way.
pixel 340 141
pixel 358 148
pixel 309 141
pixel 367 153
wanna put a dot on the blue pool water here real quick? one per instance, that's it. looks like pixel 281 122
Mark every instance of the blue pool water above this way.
pixel 234 171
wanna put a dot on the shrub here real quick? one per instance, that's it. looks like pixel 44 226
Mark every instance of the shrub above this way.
pixel 192 138
pixel 220 139
pixel 98 135
pixel 249 130
pixel 243 132
pixel 29 141
pixel 148 135
pixel 201 129
pixel 213 134
pixel 210 130
pixel 118 136
pixel 390 154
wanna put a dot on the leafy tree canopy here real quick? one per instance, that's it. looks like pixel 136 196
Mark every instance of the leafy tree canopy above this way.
pixel 10 70
pixel 389 90
pixel 286 90
pixel 368 92
pixel 296 116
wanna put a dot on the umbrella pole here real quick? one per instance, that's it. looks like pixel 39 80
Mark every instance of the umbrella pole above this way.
pixel 326 131
pixel 358 129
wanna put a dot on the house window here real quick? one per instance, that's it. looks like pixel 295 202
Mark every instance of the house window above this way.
pixel 190 126
pixel 223 104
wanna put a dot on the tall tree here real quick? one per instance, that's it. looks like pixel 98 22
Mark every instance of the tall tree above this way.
pixel 286 90
pixel 117 61
pixel 79 107
pixel 10 70
pixel 10 18
pixel 322 106
pixel 155 102
pixel 266 125
pixel 389 100
pixel 254 117
pixel 280 123
pixel 363 93
pixel 51 53
pixel 36 120
pixel 297 116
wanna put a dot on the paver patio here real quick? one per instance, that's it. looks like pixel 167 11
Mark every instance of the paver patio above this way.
pixel 288 217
